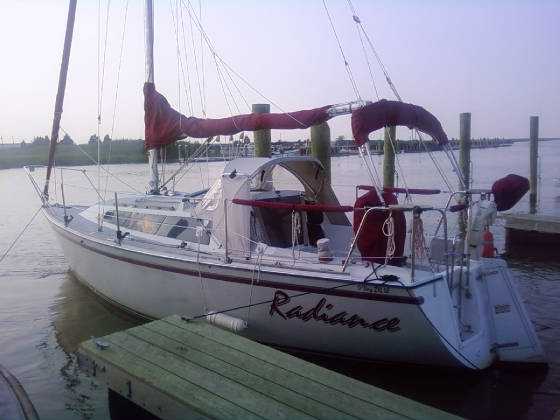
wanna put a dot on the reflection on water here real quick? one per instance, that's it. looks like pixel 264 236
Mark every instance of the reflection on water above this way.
pixel 78 314
pixel 45 312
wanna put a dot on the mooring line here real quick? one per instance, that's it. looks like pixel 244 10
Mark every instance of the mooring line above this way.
pixel 21 233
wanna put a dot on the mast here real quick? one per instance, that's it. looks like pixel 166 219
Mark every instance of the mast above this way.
pixel 149 29
pixel 60 92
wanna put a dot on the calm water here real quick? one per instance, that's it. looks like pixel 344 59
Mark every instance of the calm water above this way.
pixel 45 313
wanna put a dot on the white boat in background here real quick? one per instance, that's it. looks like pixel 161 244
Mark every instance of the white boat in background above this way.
pixel 286 266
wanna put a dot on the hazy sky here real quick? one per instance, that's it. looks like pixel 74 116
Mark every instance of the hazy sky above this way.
pixel 499 60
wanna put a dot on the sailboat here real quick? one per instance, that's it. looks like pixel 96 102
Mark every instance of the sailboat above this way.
pixel 287 267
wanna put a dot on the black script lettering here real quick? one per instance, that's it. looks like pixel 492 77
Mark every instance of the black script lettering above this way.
pixel 295 312
pixel 392 325
pixel 338 318
pixel 313 312
pixel 280 298
pixel 343 318
pixel 355 320
pixel 380 325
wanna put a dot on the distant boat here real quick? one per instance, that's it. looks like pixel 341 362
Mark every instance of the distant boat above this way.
pixel 285 266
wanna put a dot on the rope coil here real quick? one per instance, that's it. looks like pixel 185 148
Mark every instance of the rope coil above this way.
pixel 388 230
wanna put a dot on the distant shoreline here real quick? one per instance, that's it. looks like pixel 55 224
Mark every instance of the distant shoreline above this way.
pixel 132 151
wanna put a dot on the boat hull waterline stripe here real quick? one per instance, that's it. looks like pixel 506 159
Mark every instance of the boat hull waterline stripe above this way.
pixel 410 300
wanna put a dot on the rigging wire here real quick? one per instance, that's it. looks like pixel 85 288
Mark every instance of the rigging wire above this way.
pixel 102 167
pixel 379 61
pixel 449 153
pixel 346 64
pixel 264 302
pixel 200 91
pixel 203 96
pixel 114 109
pixel 220 72
pixel 372 79
pixel 100 87
pixel 179 63
pixel 188 85
pixel 20 234
pixel 215 54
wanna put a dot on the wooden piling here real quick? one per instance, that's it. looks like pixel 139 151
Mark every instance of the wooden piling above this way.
pixel 464 161
pixel 321 147
pixel 533 156
pixel 262 137
pixel 389 150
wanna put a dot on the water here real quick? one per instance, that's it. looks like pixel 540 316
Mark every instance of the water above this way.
pixel 45 313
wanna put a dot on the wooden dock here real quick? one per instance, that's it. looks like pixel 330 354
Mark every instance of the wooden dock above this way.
pixel 532 234
pixel 533 223
pixel 178 369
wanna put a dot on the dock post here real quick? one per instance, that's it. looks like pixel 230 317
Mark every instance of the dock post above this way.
pixel 262 137
pixel 321 147
pixel 533 156
pixel 464 162
pixel 389 150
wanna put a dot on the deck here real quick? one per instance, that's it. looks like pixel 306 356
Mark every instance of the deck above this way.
pixel 178 369
pixel 533 222
pixel 532 235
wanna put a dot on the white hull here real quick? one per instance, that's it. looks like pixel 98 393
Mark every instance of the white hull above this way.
pixel 402 324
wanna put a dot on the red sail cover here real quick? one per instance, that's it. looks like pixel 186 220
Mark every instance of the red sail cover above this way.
pixel 509 190
pixel 372 242
pixel 164 125
pixel 391 113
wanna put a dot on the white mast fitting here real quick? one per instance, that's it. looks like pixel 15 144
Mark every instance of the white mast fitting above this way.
pixel 149 28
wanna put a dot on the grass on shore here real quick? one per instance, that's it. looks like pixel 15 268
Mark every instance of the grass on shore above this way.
pixel 71 155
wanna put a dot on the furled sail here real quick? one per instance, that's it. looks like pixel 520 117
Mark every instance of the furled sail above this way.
pixel 164 125
pixel 391 113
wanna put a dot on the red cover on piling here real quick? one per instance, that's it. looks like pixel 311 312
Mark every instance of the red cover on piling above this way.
pixel 509 190
pixel 392 113
pixel 164 125
pixel 372 243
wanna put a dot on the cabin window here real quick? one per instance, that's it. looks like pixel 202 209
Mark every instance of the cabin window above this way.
pixel 184 228
pixel 147 223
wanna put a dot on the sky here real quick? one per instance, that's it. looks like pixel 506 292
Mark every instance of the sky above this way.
pixel 498 60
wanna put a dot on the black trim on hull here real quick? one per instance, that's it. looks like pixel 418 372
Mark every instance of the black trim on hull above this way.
pixel 410 300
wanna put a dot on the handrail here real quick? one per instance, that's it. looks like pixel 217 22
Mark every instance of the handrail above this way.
pixel 294 207
pixel 421 191
pixel 417 210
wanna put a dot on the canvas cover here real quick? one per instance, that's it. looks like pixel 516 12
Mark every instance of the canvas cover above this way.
pixel 385 113
pixel 164 125
pixel 217 201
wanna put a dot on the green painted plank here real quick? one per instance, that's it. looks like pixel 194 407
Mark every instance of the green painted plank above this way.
pixel 343 384
pixel 277 375
pixel 294 392
pixel 184 370
pixel 161 380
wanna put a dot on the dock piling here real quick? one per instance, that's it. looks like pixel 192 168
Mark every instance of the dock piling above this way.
pixel 464 162
pixel 389 150
pixel 321 146
pixel 533 156
pixel 262 137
